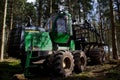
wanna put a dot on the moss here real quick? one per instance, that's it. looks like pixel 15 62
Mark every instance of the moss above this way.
pixel 8 68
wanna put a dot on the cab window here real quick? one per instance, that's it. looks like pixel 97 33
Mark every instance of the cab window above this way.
pixel 61 25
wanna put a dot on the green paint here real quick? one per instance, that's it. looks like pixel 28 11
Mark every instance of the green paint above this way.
pixel 42 41
pixel 60 37
pixel 37 40
pixel 72 45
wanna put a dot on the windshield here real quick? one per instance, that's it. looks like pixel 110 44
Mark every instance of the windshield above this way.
pixel 61 25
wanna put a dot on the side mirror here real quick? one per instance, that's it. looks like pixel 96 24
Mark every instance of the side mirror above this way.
pixel 29 24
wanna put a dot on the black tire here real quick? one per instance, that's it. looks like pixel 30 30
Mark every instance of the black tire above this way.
pixel 63 63
pixel 47 67
pixel 97 56
pixel 23 61
pixel 80 61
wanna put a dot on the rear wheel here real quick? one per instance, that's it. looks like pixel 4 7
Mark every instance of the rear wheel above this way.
pixel 97 56
pixel 63 63
pixel 80 61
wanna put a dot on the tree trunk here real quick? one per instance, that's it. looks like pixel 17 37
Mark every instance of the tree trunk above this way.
pixel 39 12
pixel 114 39
pixel 118 10
pixel 50 7
pixel 108 41
pixel 3 31
pixel 100 21
pixel 79 13
pixel 69 6
pixel 11 15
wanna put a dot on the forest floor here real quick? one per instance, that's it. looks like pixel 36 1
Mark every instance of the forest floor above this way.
pixel 10 69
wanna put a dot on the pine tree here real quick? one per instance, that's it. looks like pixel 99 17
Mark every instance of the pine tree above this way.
pixel 114 40
pixel 3 31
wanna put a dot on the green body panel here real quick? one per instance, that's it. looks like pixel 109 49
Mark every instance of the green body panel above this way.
pixel 72 45
pixel 60 37
pixel 36 40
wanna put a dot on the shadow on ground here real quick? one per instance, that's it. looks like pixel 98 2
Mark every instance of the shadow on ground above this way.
pixel 13 71
pixel 9 69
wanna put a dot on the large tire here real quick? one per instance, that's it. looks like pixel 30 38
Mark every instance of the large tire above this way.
pixel 47 67
pixel 97 56
pixel 80 61
pixel 63 63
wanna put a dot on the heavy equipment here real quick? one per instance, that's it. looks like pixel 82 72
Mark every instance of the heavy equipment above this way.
pixel 52 48
pixel 59 48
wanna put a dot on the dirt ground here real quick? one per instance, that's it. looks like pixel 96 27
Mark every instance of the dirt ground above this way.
pixel 107 71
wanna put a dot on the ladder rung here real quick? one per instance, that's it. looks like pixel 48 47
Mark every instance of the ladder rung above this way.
pixel 31 66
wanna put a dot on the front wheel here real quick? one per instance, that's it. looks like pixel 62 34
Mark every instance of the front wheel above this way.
pixel 63 63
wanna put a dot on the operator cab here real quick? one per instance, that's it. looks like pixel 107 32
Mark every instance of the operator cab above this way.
pixel 57 23
pixel 60 28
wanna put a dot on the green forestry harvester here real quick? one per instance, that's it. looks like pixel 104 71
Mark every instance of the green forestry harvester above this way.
pixel 59 48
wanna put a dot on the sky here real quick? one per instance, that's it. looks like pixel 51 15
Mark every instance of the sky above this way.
pixel 30 0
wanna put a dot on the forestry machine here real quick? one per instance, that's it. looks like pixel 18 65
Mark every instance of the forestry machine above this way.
pixel 59 48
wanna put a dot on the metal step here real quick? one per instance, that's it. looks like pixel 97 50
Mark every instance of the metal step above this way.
pixel 32 66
